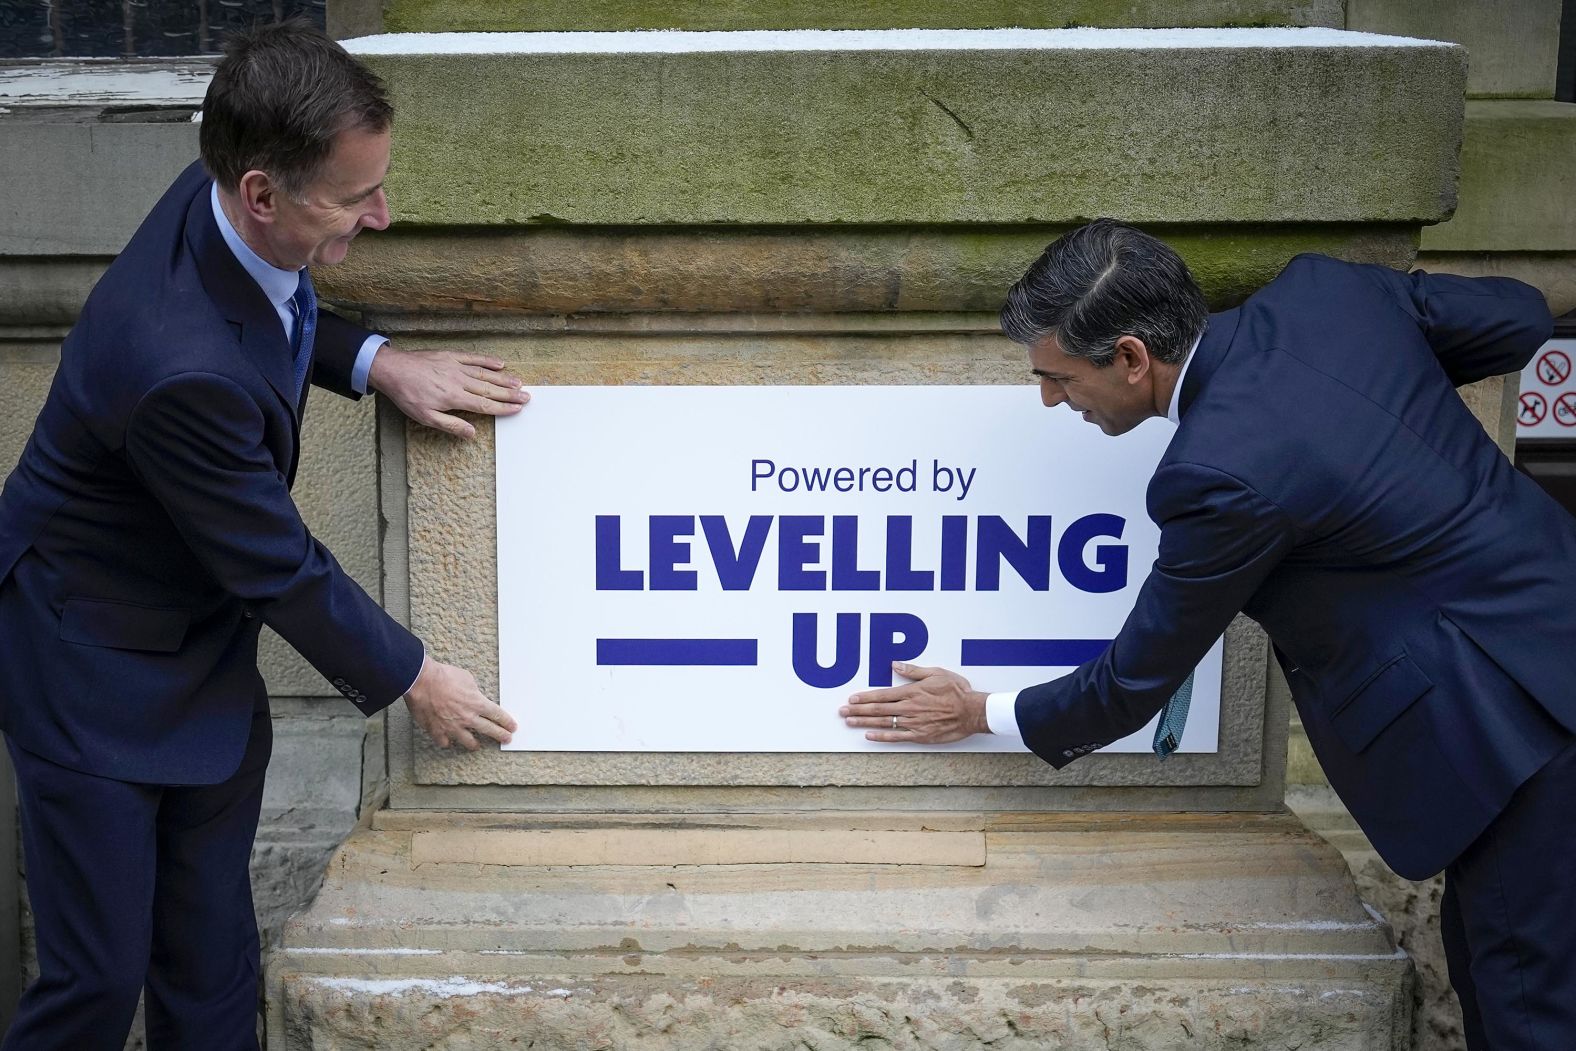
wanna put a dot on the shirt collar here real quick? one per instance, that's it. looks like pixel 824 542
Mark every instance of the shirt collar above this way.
pixel 278 285
pixel 1174 411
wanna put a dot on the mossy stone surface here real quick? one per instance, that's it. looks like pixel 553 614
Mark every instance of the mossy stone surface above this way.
pixel 1045 135
pixel 1518 179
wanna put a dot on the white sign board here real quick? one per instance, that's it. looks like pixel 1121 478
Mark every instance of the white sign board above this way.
pixel 718 568
pixel 1547 405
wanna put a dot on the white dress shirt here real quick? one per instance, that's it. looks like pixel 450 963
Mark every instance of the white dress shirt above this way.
pixel 1001 709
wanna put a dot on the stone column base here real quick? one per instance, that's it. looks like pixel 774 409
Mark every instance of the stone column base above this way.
pixel 834 930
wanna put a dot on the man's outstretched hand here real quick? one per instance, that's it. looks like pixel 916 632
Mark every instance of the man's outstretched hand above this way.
pixel 937 707
pixel 430 386
pixel 446 702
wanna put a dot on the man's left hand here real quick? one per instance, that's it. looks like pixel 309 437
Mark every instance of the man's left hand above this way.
pixel 430 385
pixel 937 707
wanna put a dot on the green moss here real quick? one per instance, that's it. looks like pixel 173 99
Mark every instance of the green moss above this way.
pixel 1294 134
pixel 1229 262
pixel 1518 177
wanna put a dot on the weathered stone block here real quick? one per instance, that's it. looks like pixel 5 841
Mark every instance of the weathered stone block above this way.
pixel 1411 908
pixel 1127 931
pixel 497 1013
pixel 911 127
pixel 1518 177
pixel 834 270
pixel 75 185
pixel 1513 44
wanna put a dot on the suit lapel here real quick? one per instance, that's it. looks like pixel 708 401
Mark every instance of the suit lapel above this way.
pixel 1212 350
pixel 245 306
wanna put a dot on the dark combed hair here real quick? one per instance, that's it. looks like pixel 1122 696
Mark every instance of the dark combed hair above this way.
pixel 278 97
pixel 1103 281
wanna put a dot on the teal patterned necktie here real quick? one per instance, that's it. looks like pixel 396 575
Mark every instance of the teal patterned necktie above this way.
pixel 1168 733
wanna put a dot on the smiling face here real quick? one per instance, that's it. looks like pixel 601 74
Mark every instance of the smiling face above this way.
pixel 346 198
pixel 1115 398
pixel 316 227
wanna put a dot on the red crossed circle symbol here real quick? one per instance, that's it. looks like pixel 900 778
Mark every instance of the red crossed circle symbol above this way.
pixel 1554 367
pixel 1565 409
pixel 1534 407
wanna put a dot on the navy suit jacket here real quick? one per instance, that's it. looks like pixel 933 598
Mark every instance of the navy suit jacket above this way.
pixel 147 532
pixel 1327 480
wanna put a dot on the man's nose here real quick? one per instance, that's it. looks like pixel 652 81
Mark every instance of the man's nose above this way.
pixel 378 217
pixel 1051 393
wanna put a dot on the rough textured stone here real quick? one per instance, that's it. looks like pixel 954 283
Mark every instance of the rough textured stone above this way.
pixel 1311 1012
pixel 432 16
pixel 1513 43
pixel 517 273
pixel 1131 931
pixel 1411 908
pixel 1152 132
pixel 1518 176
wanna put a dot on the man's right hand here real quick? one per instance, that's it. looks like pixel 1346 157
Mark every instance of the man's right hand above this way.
pixel 446 702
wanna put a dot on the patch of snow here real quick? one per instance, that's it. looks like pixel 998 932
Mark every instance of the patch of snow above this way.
pixel 673 41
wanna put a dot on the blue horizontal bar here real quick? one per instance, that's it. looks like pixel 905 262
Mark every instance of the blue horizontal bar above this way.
pixel 1031 653
pixel 676 651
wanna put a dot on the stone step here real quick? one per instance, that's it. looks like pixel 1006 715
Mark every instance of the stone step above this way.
pixel 1142 924
pixel 1518 176
pixel 920 126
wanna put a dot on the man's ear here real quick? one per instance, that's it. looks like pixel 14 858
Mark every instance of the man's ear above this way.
pixel 1132 356
pixel 259 196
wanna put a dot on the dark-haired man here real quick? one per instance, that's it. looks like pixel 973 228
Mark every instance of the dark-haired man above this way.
pixel 148 533
pixel 1326 480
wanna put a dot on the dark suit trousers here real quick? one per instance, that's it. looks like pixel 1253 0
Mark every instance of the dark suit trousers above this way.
pixel 1508 922
pixel 137 885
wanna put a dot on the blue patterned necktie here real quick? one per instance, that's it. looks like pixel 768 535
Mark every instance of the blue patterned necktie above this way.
pixel 1168 733
pixel 305 303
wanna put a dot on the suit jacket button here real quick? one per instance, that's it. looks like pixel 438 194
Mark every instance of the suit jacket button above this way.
pixel 1068 754
pixel 248 614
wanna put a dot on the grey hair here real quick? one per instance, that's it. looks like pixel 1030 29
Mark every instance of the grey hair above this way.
pixel 1103 281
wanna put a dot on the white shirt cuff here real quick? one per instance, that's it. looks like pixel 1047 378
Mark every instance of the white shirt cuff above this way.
pixel 419 670
pixel 363 367
pixel 1001 713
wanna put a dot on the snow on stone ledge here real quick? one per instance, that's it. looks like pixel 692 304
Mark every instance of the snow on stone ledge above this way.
pixel 442 988
pixel 684 41
pixel 59 83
